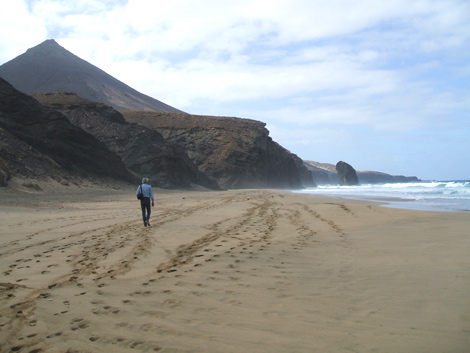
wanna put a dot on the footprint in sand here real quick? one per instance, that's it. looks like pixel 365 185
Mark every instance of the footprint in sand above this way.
pixel 159 314
pixel 172 303
pixel 57 334
pixel 141 293
pixel 80 323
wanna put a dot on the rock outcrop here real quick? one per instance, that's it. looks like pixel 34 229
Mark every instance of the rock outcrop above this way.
pixel 48 67
pixel 38 142
pixel 346 174
pixel 236 152
pixel 144 151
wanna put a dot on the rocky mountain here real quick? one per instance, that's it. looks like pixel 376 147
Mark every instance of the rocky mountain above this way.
pixel 325 173
pixel 175 149
pixel 144 151
pixel 236 152
pixel 37 142
pixel 231 152
pixel 48 67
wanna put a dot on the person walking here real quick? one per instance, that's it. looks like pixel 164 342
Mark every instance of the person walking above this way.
pixel 145 189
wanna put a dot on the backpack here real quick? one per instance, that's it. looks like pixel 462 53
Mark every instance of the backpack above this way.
pixel 140 195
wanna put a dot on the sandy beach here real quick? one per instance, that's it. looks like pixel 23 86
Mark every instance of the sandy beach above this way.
pixel 230 271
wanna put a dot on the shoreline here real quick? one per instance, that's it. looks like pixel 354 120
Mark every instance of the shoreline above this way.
pixel 427 199
pixel 232 271
pixel 401 203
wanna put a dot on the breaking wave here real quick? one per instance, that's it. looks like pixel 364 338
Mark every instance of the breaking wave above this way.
pixel 453 196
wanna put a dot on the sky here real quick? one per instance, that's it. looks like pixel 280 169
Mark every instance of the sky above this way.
pixel 381 85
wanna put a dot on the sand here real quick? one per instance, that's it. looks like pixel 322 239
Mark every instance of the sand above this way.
pixel 230 271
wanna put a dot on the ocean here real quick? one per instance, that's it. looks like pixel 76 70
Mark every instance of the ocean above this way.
pixel 448 196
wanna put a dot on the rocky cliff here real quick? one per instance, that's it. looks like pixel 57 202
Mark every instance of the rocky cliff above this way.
pixel 38 142
pixel 144 151
pixel 238 153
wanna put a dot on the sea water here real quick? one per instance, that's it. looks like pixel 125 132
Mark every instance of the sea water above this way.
pixel 450 196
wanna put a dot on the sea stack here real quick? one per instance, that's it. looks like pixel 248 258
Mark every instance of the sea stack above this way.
pixel 346 174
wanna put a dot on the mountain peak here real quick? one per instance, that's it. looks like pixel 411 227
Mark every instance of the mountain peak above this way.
pixel 49 67
pixel 47 48
pixel 48 42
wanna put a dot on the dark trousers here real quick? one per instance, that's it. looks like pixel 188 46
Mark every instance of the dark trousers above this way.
pixel 146 209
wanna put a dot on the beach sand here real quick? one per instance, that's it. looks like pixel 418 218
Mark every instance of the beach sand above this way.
pixel 231 271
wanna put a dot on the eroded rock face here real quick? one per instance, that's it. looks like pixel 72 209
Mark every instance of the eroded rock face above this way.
pixel 4 173
pixel 19 158
pixel 36 141
pixel 236 152
pixel 346 174
pixel 144 151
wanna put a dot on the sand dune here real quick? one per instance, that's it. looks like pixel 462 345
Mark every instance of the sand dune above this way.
pixel 233 271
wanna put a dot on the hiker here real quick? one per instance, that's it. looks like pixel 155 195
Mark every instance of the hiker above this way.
pixel 145 192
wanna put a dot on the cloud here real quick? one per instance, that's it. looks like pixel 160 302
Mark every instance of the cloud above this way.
pixel 19 29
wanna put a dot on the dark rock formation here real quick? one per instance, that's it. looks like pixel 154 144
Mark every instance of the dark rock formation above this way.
pixel 346 174
pixel 238 153
pixel 143 150
pixel 36 142
pixel 48 67
pixel 305 174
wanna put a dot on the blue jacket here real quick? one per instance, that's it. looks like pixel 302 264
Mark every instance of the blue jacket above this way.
pixel 146 190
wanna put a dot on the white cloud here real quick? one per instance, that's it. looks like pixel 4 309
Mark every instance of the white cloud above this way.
pixel 18 29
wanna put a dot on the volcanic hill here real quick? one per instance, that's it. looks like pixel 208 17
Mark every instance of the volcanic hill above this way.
pixel 48 67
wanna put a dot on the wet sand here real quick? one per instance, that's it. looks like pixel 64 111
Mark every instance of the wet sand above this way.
pixel 232 271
